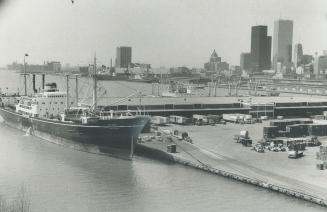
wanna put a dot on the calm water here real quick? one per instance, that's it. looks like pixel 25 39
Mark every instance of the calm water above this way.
pixel 60 179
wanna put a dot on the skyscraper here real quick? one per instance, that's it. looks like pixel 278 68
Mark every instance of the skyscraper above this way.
pixel 260 48
pixel 282 42
pixel 123 57
pixel 298 54
pixel 245 61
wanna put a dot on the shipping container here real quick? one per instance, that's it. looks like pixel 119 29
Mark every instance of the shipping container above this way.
pixel 182 120
pixel 317 129
pixel 233 117
pixel 270 132
pixel 297 130
pixel 296 144
pixel 159 120
pixel 172 119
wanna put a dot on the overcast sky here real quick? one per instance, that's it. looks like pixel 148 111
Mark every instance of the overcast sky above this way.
pixel 161 32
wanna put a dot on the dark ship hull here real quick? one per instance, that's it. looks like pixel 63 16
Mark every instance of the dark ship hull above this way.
pixel 113 137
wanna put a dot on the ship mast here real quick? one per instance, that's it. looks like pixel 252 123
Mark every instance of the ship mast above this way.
pixel 67 92
pixel 76 89
pixel 95 83
pixel 25 87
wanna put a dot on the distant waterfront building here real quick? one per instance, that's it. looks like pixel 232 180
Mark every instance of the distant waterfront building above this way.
pixel 308 71
pixel 181 71
pixel 298 54
pixel 320 65
pixel 260 48
pixel 47 67
pixel 222 66
pixel 54 66
pixel 245 61
pixel 140 65
pixel 84 70
pixel 215 65
pixel 282 42
pixel 15 66
pixel 306 59
pixel 123 57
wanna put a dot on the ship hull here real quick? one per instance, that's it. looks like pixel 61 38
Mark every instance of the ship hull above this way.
pixel 113 138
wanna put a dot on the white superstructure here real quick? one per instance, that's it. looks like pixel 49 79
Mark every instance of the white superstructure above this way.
pixel 49 104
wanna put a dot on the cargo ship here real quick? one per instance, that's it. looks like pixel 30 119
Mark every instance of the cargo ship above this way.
pixel 48 115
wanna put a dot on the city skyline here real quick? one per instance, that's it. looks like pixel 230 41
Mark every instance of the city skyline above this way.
pixel 164 33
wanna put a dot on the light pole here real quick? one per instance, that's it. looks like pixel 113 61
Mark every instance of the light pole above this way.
pixel 25 89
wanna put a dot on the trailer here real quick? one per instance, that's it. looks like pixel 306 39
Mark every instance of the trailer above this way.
pixel 159 120
pixel 234 117
pixel 214 119
pixel 179 120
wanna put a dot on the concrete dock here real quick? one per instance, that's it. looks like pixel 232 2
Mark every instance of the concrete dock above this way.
pixel 214 151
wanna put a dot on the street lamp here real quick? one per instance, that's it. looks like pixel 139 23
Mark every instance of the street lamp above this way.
pixel 25 89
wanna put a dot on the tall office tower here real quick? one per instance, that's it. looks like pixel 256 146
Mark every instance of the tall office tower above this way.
pixel 245 61
pixel 260 48
pixel 123 57
pixel 298 54
pixel 282 42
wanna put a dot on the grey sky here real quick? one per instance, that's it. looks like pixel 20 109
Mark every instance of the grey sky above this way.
pixel 161 32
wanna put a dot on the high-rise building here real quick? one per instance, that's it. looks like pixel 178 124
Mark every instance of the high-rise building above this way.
pixel 215 64
pixel 282 42
pixel 260 48
pixel 123 57
pixel 245 61
pixel 306 59
pixel 214 57
pixel 320 65
pixel 298 54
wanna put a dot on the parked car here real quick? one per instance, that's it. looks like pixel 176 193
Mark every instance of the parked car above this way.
pixel 259 148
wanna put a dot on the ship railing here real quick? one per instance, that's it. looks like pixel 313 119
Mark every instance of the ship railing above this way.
pixel 107 115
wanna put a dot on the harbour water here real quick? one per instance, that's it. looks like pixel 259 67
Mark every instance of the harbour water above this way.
pixel 61 179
